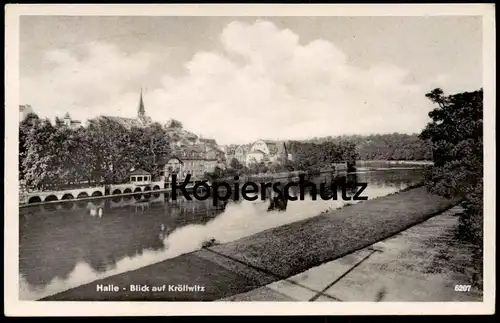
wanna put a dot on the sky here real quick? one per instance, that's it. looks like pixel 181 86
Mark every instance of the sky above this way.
pixel 239 79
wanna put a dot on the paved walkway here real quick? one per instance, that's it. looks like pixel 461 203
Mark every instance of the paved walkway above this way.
pixel 423 263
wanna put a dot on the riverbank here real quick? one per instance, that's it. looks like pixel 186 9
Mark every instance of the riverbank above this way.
pixel 396 162
pixel 271 255
pixel 424 263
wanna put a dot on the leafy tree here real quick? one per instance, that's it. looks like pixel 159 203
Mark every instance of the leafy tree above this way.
pixel 108 140
pixel 39 158
pixel 25 127
pixel 310 156
pixel 235 164
pixel 172 123
pixel 456 132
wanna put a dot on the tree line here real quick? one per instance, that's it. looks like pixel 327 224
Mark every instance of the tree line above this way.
pixel 318 156
pixel 393 146
pixel 103 152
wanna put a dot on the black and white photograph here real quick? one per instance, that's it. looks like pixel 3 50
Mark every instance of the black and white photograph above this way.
pixel 231 156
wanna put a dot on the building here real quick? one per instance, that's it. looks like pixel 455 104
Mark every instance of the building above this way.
pixel 189 161
pixel 255 156
pixel 211 145
pixel 141 121
pixel 172 165
pixel 210 142
pixel 267 151
pixel 240 153
pixel 268 147
pixel 214 158
pixel 140 177
pixel 229 152
pixel 195 160
pixel 24 110
pixel 72 124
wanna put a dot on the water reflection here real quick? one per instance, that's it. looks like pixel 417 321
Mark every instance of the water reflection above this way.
pixel 68 244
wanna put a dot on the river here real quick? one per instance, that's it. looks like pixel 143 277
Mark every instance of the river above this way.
pixel 65 245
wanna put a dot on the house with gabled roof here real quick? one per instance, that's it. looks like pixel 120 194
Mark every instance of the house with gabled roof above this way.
pixel 273 150
pixel 240 153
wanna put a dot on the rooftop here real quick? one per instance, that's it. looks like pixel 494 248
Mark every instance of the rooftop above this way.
pixel 140 171
pixel 257 151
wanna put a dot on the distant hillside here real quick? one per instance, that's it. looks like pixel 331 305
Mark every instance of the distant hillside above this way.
pixel 393 146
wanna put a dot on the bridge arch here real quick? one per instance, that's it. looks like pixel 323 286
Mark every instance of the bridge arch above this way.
pixel 117 191
pixel 67 196
pixel 147 191
pixel 137 190
pixel 51 198
pixel 156 187
pixel 82 195
pixel 35 199
pixel 127 190
pixel 97 193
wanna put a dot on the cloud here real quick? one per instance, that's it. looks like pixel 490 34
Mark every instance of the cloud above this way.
pixel 263 84
pixel 83 85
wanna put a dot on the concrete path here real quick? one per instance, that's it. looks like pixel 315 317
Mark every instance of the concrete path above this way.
pixel 421 264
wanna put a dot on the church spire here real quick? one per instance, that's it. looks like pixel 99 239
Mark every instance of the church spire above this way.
pixel 142 111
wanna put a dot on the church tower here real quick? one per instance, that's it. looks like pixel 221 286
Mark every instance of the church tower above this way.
pixel 142 112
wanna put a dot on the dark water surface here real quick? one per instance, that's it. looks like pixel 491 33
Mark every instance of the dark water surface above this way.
pixel 65 245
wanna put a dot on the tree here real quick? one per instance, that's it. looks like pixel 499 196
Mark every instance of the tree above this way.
pixel 39 159
pixel 235 164
pixel 172 123
pixel 147 146
pixel 456 132
pixel 82 157
pixel 311 156
pixel 108 140
pixel 25 127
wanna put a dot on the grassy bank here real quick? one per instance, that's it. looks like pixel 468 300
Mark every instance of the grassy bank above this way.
pixel 293 248
pixel 274 254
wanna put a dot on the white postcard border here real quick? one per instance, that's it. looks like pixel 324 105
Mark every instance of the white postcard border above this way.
pixel 15 307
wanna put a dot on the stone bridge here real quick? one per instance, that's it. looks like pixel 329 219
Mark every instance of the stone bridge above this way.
pixel 133 188
pixel 70 194
pixel 37 197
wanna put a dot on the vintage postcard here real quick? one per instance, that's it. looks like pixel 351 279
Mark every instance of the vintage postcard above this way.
pixel 242 159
